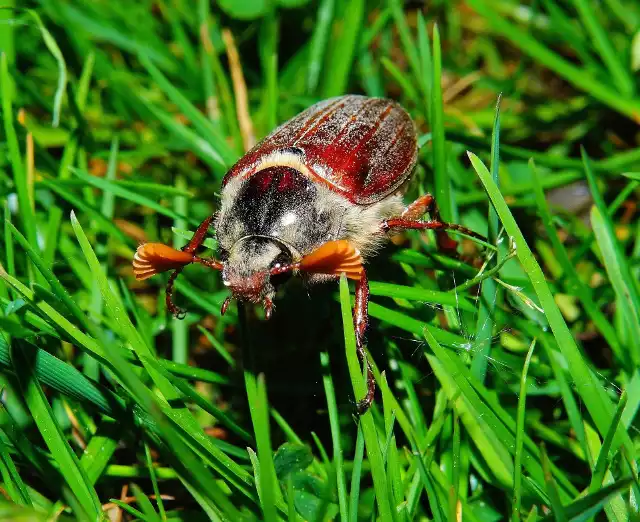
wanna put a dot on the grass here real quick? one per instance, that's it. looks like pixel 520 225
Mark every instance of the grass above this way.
pixel 508 383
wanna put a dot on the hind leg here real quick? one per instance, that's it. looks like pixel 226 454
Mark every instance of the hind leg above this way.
pixel 426 204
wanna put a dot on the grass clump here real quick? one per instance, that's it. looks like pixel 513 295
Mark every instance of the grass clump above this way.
pixel 508 381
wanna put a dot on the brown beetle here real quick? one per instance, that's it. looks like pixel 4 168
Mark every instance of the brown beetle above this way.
pixel 315 198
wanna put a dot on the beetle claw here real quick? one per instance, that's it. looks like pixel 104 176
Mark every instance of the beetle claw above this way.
pixel 268 308
pixel 225 305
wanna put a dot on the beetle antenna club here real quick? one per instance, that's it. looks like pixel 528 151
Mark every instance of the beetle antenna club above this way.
pixel 314 199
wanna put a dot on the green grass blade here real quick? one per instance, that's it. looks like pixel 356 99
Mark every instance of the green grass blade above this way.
pixel 552 490
pixel 202 124
pixel 442 181
pixel 489 291
pixel 574 284
pixel 372 442
pixel 593 395
pixel 621 279
pixel 579 78
pixel 517 461
pixel 585 508
pixel 319 40
pixel 53 48
pixel 620 76
pixel 356 477
pixel 52 434
pixel 338 459
pixel 345 31
pixel 600 466
pixel 25 204
pixel 256 390
pixel 11 479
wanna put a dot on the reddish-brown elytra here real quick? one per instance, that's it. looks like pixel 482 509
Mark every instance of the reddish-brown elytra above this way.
pixel 315 198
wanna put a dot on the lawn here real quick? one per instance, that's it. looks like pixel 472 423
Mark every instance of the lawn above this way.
pixel 508 375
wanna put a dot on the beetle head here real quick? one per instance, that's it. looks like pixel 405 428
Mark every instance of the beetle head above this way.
pixel 248 268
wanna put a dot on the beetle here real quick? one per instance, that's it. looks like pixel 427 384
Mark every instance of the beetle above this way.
pixel 315 198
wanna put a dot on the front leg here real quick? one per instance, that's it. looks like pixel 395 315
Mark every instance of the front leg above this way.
pixel 360 322
pixel 196 242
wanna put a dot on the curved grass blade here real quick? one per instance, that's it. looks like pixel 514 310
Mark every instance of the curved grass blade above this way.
pixel 595 398
pixel 370 433
pixel 517 461
pixel 69 465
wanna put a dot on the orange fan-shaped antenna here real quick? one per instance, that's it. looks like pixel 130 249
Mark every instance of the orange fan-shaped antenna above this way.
pixel 153 258
pixel 334 257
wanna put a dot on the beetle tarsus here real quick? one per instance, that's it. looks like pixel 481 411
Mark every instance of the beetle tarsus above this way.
pixel 364 404
pixel 177 312
pixel 225 305
pixel 268 308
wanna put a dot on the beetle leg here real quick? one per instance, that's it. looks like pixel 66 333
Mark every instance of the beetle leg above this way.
pixel 426 204
pixel 225 305
pixel 198 236
pixel 195 243
pixel 177 312
pixel 447 244
pixel 360 322
pixel 268 308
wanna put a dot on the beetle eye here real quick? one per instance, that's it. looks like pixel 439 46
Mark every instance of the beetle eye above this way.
pixel 281 259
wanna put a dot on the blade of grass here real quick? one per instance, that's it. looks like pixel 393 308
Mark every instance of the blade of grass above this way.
pixel 423 295
pixel 267 481
pixel 53 48
pixel 16 489
pixel 579 78
pixel 552 490
pixel 600 467
pixel 202 124
pixel 517 461
pixel 621 279
pixel 179 416
pixel 334 422
pixel 620 76
pixel 570 404
pixel 149 514
pixel 100 450
pixel 366 420
pixel 594 396
pixel 356 476
pixel 25 204
pixel 574 284
pixel 269 35
pixel 123 192
pixel 319 39
pixel 586 507
pixel 52 434
pixel 489 292
pixel 441 180
pixel 345 32
pixel 179 329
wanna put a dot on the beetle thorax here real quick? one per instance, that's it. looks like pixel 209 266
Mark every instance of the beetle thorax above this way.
pixel 273 217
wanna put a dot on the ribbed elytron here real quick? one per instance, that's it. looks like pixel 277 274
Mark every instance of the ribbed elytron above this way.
pixel 315 198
